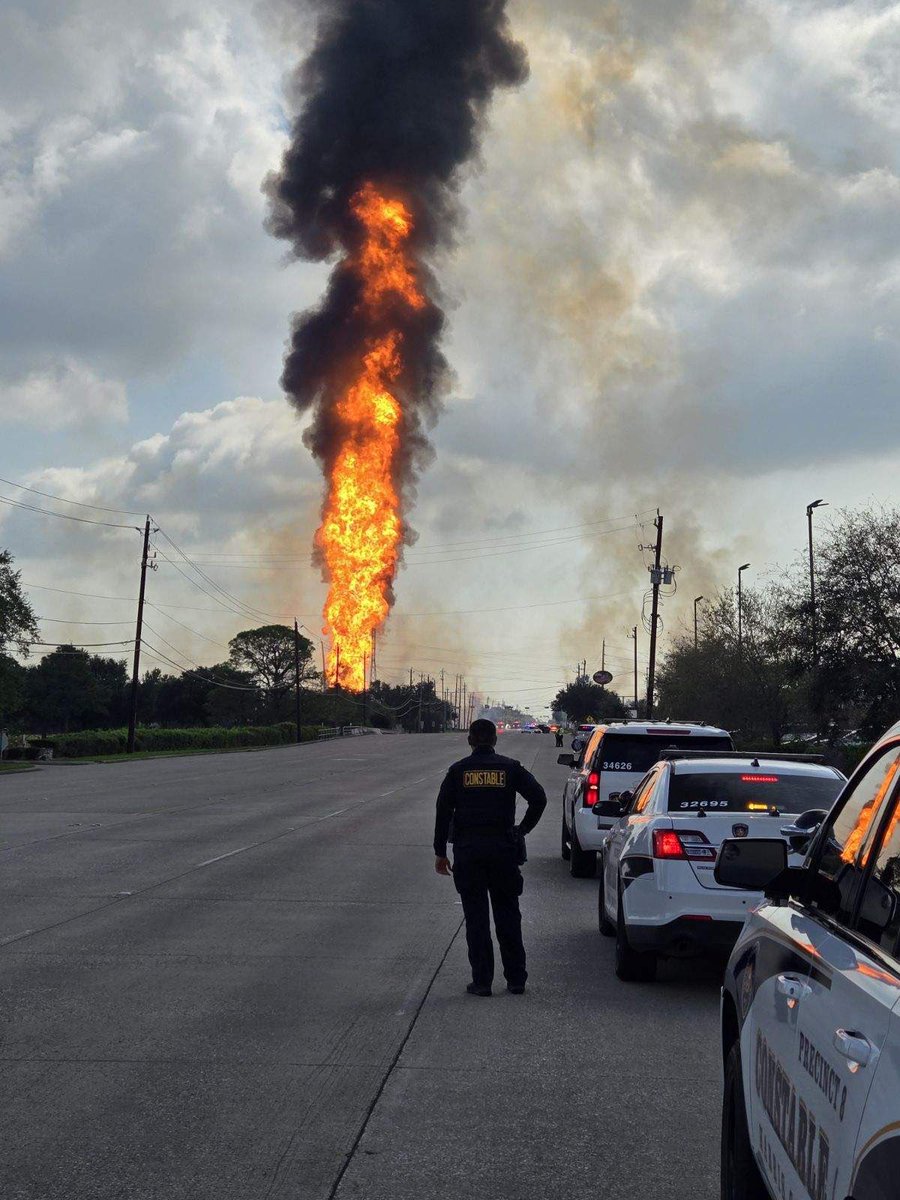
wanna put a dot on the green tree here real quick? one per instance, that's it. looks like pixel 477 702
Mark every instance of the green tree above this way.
pixel 70 689
pixel 18 624
pixel 266 654
pixel 583 701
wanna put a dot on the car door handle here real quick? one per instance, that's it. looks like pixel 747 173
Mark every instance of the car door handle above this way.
pixel 792 987
pixel 853 1046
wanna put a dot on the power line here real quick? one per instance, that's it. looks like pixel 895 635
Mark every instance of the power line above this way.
pixel 63 516
pixel 249 610
pixel 125 512
pixel 85 645
pixel 161 657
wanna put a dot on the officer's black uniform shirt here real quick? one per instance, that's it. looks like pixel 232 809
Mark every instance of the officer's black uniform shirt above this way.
pixel 479 796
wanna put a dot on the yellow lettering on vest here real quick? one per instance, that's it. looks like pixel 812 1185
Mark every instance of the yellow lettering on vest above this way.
pixel 485 778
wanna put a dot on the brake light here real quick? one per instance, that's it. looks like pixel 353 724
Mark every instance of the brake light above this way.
pixel 759 779
pixel 666 844
pixel 687 844
pixel 592 794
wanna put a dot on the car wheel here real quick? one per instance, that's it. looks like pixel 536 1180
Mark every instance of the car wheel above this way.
pixel 566 849
pixel 632 966
pixel 607 928
pixel 582 863
pixel 740 1177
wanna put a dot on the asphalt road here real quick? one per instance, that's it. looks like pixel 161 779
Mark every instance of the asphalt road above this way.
pixel 237 977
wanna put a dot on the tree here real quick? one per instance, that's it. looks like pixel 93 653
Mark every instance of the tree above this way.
pixel 858 616
pixel 12 677
pixel 267 655
pixel 233 698
pixel 582 701
pixel 18 624
pixel 70 689
pixel 753 687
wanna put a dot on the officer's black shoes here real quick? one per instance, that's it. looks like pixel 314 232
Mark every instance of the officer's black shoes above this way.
pixel 478 989
pixel 516 989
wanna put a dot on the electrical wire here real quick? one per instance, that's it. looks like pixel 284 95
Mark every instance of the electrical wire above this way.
pixel 64 516
pixel 124 512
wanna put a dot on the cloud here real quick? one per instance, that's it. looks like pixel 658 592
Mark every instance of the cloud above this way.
pixel 66 395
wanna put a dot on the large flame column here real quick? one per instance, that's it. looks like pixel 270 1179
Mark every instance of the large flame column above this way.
pixel 362 529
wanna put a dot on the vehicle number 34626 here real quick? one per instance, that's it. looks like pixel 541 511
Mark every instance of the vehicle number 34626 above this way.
pixel 616 766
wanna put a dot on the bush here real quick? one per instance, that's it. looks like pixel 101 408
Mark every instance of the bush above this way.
pixel 92 742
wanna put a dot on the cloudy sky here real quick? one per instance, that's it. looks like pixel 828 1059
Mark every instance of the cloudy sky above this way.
pixel 677 286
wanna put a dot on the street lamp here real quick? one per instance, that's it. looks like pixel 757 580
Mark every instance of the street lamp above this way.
pixel 740 614
pixel 812 580
pixel 697 600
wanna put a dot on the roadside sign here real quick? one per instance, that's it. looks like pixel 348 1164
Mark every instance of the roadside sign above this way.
pixel 602 677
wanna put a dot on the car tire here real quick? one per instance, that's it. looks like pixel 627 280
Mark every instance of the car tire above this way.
pixel 740 1176
pixel 632 966
pixel 582 863
pixel 607 929
pixel 566 849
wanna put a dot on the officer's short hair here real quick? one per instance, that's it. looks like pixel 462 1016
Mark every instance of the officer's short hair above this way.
pixel 483 733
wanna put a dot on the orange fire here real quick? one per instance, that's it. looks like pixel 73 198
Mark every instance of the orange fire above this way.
pixel 361 531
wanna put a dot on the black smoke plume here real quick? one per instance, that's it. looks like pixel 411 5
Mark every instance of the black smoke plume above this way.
pixel 393 93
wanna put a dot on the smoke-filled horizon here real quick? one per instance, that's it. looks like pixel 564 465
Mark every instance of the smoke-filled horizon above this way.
pixel 391 103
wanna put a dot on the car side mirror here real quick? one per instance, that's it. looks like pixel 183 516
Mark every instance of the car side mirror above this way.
pixel 577 744
pixel 750 863
pixel 565 760
pixel 607 808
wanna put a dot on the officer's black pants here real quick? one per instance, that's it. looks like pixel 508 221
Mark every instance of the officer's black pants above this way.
pixel 489 872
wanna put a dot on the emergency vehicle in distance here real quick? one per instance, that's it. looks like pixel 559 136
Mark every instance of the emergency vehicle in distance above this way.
pixel 614 757
pixel 811 1003
pixel 658 895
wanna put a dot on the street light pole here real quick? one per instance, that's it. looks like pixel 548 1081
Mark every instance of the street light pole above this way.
pixel 740 612
pixel 697 600
pixel 812 580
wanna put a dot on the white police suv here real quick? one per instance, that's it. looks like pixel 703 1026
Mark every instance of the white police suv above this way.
pixel 811 1004
pixel 612 758
pixel 658 893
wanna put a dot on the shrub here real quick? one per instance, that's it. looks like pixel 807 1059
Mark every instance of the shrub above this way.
pixel 92 742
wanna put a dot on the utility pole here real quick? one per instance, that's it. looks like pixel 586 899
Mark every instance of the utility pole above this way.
pixel 365 690
pixel 697 600
pixel 603 656
pixel 372 675
pixel 465 710
pixel 419 718
pixel 633 634
pixel 324 672
pixel 297 680
pixel 337 666
pixel 655 579
pixel 443 705
pixel 132 714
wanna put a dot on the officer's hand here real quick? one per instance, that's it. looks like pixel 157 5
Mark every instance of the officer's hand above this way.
pixel 442 866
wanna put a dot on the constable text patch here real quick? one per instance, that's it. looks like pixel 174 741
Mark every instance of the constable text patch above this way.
pixel 495 778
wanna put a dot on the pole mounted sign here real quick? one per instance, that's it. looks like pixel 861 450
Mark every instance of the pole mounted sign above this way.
pixel 602 677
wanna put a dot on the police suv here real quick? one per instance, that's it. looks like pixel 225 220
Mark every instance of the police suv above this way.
pixel 658 894
pixel 613 758
pixel 811 1004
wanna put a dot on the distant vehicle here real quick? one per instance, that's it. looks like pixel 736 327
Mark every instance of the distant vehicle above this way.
pixel 615 757
pixel 810 1011
pixel 658 894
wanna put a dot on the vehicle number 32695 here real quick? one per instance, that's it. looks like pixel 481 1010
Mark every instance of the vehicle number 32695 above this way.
pixel 616 766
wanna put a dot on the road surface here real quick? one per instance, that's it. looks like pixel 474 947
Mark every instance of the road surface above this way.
pixel 237 977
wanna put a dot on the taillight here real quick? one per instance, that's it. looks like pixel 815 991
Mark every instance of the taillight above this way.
pixel 592 792
pixel 687 844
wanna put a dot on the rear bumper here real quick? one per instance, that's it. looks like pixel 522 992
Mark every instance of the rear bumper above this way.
pixel 684 937
pixel 589 836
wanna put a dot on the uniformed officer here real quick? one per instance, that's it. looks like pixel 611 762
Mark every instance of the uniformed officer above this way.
pixel 479 796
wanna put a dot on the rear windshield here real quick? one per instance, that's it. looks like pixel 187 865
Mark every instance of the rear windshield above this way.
pixel 752 791
pixel 638 752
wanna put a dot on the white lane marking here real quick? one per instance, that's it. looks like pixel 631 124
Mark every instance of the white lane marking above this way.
pixel 316 820
pixel 219 857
